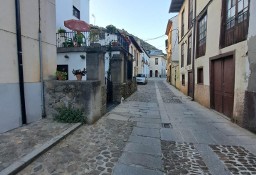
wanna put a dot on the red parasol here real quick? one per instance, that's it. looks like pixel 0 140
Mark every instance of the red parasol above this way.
pixel 77 25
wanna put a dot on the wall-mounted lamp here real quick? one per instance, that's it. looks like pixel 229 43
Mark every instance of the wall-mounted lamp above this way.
pixel 66 56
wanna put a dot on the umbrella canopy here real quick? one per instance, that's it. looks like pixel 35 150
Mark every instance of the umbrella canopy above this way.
pixel 77 25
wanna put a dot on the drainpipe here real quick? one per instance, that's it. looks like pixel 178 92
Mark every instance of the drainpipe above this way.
pixel 41 62
pixel 20 64
pixel 194 52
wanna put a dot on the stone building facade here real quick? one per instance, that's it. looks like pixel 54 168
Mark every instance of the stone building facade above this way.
pixel 219 75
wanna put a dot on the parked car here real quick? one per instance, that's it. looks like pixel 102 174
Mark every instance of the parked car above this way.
pixel 141 78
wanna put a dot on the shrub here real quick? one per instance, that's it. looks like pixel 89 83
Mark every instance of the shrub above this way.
pixel 69 115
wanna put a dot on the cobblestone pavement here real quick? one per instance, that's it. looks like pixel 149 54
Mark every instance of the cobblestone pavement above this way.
pixel 167 95
pixel 236 158
pixel 91 150
pixel 21 141
pixel 202 142
pixel 145 93
pixel 132 140
pixel 182 158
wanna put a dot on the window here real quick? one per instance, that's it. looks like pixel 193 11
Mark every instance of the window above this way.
pixel 190 14
pixel 189 50
pixel 182 24
pixel 76 12
pixel 202 31
pixel 156 61
pixel 182 55
pixel 200 76
pixel 235 21
pixel 183 80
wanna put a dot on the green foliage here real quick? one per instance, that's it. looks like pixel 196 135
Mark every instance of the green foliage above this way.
pixel 61 75
pixel 111 29
pixel 69 115
pixel 61 30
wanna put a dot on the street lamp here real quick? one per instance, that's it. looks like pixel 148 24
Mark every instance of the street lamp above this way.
pixel 94 18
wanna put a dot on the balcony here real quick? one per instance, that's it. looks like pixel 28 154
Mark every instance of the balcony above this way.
pixel 84 39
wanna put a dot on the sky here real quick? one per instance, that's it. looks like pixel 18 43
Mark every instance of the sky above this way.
pixel 145 19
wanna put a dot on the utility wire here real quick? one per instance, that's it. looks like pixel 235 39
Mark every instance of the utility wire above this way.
pixel 155 38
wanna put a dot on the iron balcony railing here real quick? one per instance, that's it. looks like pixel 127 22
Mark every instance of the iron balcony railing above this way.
pixel 72 39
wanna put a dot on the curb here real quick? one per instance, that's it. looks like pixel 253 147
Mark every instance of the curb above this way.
pixel 21 163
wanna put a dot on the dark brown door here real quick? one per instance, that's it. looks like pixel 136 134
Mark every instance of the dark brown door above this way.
pixel 190 84
pixel 156 73
pixel 223 85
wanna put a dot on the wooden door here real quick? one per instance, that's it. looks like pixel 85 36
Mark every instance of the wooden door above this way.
pixel 156 73
pixel 223 85
pixel 190 84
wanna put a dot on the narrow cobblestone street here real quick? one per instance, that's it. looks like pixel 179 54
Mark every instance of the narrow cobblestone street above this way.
pixel 156 131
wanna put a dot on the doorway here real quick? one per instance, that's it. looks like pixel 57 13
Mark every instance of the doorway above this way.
pixel 190 84
pixel 222 85
pixel 156 73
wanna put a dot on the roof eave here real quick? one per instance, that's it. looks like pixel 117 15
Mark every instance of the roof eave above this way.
pixel 175 6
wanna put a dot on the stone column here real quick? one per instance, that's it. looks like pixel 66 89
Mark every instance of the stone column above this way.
pixel 95 63
pixel 95 66
pixel 117 75
pixel 117 68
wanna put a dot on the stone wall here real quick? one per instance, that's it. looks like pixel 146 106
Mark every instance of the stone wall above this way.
pixel 123 90
pixel 249 121
pixel 88 96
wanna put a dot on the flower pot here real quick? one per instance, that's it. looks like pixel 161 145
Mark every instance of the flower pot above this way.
pixel 79 77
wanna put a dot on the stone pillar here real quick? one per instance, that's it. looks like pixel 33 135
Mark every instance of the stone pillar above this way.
pixel 95 63
pixel 117 68
pixel 117 76
pixel 95 66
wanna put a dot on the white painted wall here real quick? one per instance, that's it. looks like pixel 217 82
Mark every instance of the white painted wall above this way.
pixel 161 67
pixel 74 62
pixel 64 11
pixel 175 42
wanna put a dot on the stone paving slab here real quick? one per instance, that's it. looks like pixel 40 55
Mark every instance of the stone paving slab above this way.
pixel 143 149
pixel 117 117
pixel 19 142
pixel 211 160
pixel 122 169
pixel 148 125
pixel 169 134
pixel 146 132
pixel 146 120
pixel 145 140
pixel 145 160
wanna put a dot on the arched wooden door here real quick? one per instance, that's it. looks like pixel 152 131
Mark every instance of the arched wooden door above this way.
pixel 156 73
pixel 151 73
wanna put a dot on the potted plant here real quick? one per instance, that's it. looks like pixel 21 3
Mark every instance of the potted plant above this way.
pixel 62 32
pixel 61 75
pixel 79 73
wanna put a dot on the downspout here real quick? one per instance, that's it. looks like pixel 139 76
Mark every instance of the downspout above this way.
pixel 20 62
pixel 41 62
pixel 194 52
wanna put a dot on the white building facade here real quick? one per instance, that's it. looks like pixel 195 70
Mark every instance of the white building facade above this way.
pixel 71 9
pixel 157 63
pixel 66 10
